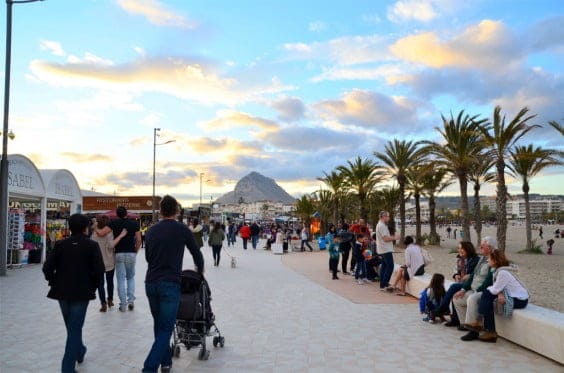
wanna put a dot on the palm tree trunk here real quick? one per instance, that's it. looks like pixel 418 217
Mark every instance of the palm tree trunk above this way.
pixel 501 205
pixel 527 216
pixel 402 209
pixel 464 206
pixel 434 237
pixel 477 214
pixel 417 219
pixel 363 211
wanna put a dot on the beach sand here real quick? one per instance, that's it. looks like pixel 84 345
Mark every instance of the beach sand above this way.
pixel 543 275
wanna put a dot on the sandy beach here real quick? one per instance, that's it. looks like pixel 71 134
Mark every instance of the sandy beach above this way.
pixel 542 274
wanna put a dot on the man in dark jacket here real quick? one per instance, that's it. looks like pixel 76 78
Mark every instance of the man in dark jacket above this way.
pixel 74 269
pixel 255 234
pixel 164 252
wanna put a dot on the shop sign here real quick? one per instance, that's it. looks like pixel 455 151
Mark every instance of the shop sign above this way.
pixel 27 205
pixel 58 205
pixel 61 185
pixel 23 176
pixel 142 203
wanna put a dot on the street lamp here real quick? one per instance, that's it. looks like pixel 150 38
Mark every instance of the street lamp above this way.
pixel 4 161
pixel 155 130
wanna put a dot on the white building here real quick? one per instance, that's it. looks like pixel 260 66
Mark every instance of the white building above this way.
pixel 516 207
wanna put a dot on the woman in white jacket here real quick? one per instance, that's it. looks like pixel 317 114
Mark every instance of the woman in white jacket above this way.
pixel 505 284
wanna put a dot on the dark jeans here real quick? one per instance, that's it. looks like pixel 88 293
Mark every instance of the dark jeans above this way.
pixel 110 282
pixel 306 242
pixel 74 313
pixel 386 270
pixel 245 240
pixel 445 302
pixel 345 254
pixel 333 265
pixel 164 298
pixel 216 251
pixel 485 308
pixel 254 241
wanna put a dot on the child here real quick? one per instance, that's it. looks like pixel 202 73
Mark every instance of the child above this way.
pixel 334 255
pixel 435 294
pixel 360 270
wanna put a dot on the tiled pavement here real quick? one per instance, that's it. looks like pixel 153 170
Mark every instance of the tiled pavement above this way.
pixel 273 318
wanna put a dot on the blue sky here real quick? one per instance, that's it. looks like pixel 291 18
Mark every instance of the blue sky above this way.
pixel 289 89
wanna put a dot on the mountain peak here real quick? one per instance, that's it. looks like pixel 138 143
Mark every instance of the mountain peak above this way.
pixel 255 187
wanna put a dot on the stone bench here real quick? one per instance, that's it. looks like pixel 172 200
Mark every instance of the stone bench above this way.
pixel 536 328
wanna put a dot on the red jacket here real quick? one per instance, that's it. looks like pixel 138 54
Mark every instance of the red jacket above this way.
pixel 245 231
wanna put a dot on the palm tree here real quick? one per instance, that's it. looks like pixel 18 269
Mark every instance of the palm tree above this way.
pixel 527 162
pixel 415 183
pixel 389 199
pixel 305 208
pixel 501 141
pixel 434 183
pixel 399 156
pixel 335 182
pixel 557 126
pixel 361 176
pixel 459 153
pixel 480 174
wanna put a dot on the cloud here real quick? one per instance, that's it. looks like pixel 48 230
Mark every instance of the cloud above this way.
pixel 53 47
pixel 370 110
pixel 317 26
pixel 487 45
pixel 546 34
pixel 408 10
pixel 229 119
pixel 85 158
pixel 290 109
pixel 186 79
pixel 156 13
pixel 386 72
pixel 348 50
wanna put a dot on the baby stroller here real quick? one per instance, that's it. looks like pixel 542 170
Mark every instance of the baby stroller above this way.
pixel 195 320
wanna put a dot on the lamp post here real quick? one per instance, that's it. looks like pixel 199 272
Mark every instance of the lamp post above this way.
pixel 6 134
pixel 154 202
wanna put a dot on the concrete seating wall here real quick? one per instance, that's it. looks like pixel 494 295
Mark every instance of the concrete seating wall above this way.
pixel 536 328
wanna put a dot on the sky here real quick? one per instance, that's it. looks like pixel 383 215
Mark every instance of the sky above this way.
pixel 290 89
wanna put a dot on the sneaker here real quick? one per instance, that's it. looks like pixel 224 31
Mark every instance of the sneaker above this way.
pixel 452 323
pixel 390 289
pixel 425 319
pixel 346 273
pixel 360 282
pixel 122 308
pixel 166 368
pixel 365 280
pixel 130 306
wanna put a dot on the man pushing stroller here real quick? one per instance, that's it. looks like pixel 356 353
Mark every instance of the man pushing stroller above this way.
pixel 164 252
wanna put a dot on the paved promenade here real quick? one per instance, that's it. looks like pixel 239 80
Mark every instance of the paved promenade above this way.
pixel 274 320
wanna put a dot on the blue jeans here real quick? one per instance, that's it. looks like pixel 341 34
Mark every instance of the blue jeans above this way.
pixel 125 271
pixel 386 269
pixel 360 269
pixel 74 313
pixel 164 298
pixel 445 302
pixel 485 308
pixel 254 241
pixel 306 243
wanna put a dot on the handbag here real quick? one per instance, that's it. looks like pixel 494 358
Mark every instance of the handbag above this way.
pixel 427 257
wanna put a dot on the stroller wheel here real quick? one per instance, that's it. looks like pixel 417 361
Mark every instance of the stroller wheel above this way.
pixel 176 351
pixel 203 354
pixel 215 341
pixel 221 342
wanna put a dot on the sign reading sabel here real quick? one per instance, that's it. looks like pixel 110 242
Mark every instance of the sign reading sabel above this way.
pixel 23 177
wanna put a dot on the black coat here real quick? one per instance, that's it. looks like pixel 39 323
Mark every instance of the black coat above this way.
pixel 74 269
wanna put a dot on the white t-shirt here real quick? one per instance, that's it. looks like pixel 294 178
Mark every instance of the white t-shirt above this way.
pixel 383 247
pixel 413 259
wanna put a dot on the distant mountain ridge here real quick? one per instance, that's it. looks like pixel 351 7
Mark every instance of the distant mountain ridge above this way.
pixel 254 188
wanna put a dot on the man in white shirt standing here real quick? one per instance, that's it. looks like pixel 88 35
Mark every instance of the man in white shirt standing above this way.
pixel 385 248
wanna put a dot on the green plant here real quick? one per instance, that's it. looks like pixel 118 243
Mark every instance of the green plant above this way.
pixel 535 249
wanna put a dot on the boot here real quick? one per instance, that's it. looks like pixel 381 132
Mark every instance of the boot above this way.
pixel 488 336
pixel 104 307
pixel 110 302
pixel 476 326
